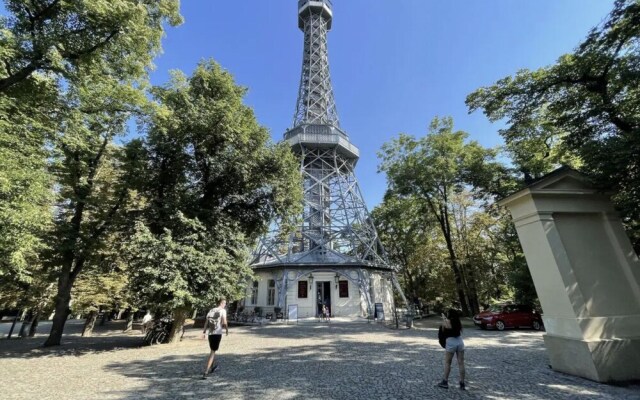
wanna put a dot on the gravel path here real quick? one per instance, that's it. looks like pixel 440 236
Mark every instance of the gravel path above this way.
pixel 309 361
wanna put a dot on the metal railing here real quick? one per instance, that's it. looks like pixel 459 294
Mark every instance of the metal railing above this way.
pixel 316 138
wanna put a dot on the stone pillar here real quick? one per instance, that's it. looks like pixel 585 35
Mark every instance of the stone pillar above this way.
pixel 586 273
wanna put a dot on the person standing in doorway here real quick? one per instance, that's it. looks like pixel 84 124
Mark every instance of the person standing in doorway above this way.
pixel 215 321
pixel 454 346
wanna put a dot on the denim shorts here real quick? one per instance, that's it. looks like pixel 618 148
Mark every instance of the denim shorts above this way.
pixel 454 344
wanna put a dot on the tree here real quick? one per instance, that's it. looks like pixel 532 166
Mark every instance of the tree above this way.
pixel 63 38
pixel 26 196
pixel 96 290
pixel 405 232
pixel 582 110
pixel 212 181
pixel 92 57
pixel 433 170
pixel 34 294
pixel 491 261
pixel 94 190
pixel 26 191
pixel 104 283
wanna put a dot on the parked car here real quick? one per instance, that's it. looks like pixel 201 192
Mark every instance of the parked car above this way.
pixel 503 316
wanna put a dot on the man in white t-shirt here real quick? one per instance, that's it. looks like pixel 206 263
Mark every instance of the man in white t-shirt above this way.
pixel 216 319
pixel 147 321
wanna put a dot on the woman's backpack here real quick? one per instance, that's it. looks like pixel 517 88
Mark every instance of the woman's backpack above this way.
pixel 442 338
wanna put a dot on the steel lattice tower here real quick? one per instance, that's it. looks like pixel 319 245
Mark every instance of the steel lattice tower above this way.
pixel 335 232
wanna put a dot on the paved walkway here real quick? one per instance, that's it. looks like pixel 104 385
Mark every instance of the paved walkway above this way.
pixel 311 361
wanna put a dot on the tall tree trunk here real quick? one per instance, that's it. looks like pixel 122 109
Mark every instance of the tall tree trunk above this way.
pixel 442 214
pixel 26 323
pixel 105 315
pixel 13 326
pixel 474 303
pixel 34 324
pixel 460 287
pixel 179 316
pixel 63 298
pixel 457 273
pixel 411 284
pixel 89 323
pixel 129 325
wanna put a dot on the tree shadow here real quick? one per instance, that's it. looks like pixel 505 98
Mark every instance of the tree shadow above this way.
pixel 341 365
pixel 105 338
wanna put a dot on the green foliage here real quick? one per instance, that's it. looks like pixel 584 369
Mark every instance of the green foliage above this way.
pixel 520 279
pixel 209 156
pixel 35 293
pixel 211 181
pixel 413 244
pixel 73 73
pixel 431 215
pixel 66 39
pixel 582 111
pixel 26 190
pixel 188 267
pixel 104 282
pixel 97 289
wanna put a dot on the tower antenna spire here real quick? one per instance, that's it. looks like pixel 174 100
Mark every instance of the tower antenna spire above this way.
pixel 315 104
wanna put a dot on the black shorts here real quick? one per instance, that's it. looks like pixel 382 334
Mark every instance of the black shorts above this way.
pixel 214 342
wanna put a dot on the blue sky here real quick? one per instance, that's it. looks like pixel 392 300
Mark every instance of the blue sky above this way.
pixel 395 64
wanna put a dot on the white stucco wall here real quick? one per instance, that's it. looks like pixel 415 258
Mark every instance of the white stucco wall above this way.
pixel 382 293
pixel 355 305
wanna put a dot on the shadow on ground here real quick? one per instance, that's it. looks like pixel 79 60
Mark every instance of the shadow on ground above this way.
pixel 106 338
pixel 397 364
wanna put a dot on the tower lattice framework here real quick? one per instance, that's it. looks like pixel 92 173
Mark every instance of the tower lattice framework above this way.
pixel 335 230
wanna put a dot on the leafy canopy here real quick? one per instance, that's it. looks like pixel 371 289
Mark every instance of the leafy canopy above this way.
pixel 583 110
pixel 435 171
pixel 212 182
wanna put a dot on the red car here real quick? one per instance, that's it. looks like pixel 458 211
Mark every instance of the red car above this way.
pixel 508 316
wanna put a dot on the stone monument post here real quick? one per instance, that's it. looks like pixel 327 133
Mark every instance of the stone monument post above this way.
pixel 586 273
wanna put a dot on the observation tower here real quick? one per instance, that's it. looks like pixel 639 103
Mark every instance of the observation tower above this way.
pixel 333 256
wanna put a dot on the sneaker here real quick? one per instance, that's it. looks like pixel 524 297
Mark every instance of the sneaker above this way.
pixel 213 368
pixel 462 386
pixel 444 384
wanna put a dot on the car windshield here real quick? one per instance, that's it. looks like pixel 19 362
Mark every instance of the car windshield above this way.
pixel 496 308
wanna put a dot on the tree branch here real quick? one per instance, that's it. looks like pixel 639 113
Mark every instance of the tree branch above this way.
pixel 7 67
pixel 20 75
pixel 46 12
pixel 76 55
pixel 93 164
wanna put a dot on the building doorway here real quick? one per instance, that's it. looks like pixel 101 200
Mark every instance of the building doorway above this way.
pixel 323 297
